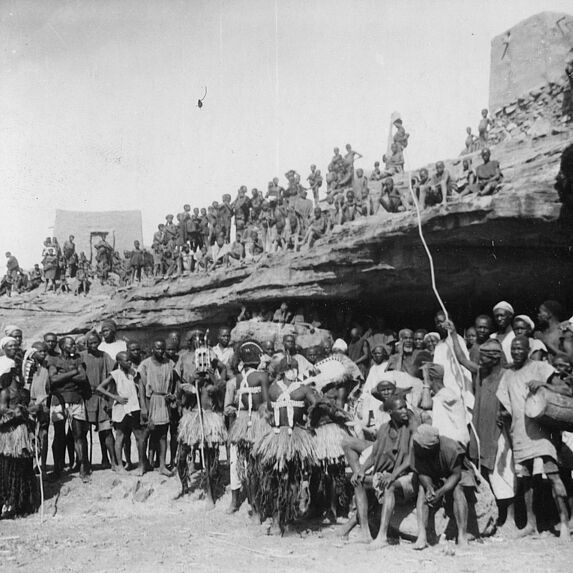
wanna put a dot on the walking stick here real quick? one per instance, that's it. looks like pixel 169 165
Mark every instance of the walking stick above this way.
pixel 39 466
pixel 202 446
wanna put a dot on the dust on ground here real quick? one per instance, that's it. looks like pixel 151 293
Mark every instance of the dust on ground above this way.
pixel 125 523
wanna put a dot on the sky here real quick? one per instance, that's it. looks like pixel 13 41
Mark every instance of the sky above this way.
pixel 98 98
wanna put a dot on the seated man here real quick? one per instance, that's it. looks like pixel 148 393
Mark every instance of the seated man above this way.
pixel 390 197
pixel 376 174
pixel 424 190
pixel 488 175
pixel 466 182
pixel 438 461
pixel 389 458
pixel 442 182
pixel 395 163
pixel 219 254
pixel 317 229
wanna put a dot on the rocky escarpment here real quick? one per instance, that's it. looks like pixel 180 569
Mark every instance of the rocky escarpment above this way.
pixel 536 114
pixel 508 246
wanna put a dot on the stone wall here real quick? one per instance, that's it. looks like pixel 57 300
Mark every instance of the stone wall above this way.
pixel 535 114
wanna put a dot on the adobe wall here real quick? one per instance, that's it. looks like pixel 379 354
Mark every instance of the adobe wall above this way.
pixel 530 55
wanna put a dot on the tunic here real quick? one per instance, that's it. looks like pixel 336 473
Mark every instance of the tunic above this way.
pixel 485 411
pixel 530 439
pixel 125 386
pixel 156 377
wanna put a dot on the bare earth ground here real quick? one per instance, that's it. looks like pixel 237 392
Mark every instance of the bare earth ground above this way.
pixel 125 523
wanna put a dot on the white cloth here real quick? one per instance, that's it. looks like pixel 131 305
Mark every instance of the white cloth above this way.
pixel 456 376
pixel 502 478
pixel 449 416
pixel 125 386
pixel 225 355
pixel 535 345
pixel 113 348
pixel 374 376
pixel 506 344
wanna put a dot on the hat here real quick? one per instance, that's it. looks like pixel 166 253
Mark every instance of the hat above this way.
pixel 340 345
pixel 377 391
pixel 6 340
pixel 504 305
pixel 432 335
pixel 491 347
pixel 426 436
pixel 435 371
pixel 10 329
pixel 526 319
pixel 109 324
pixel 250 353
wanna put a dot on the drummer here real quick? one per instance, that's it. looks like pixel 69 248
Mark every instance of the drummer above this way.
pixel 533 451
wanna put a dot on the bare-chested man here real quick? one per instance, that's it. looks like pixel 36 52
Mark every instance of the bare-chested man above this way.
pixel 549 317
pixel 488 175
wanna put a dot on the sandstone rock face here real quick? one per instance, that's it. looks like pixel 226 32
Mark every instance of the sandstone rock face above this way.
pixel 508 246
pixel 529 55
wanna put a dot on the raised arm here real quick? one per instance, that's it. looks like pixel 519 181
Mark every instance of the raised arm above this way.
pixel 471 366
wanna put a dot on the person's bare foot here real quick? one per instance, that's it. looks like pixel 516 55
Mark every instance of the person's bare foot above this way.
pixel 378 543
pixel 420 544
pixel 209 504
pixel 165 472
pixel 525 532
pixel 508 530
pixel 364 536
pixel 120 470
pixel 463 540
pixel 564 533
pixel 139 471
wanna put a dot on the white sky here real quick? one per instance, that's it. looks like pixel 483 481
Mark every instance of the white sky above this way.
pixel 98 97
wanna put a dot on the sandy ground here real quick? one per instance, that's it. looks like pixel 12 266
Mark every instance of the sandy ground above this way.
pixel 126 523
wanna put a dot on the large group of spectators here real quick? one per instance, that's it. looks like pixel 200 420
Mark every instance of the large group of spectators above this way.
pixel 414 410
pixel 294 216
pixel 243 230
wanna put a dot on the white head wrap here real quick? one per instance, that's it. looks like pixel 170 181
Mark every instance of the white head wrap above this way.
pixel 5 340
pixel 340 345
pixel 10 329
pixel 431 335
pixel 504 305
pixel 527 320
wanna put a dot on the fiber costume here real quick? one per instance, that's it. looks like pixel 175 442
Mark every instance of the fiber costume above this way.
pixel 18 490
pixel 285 458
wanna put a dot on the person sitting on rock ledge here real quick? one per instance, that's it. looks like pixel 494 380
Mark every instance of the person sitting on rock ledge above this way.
pixel 376 174
pixel 390 197
pixel 395 163
pixel 442 183
pixel 488 175
pixel 466 182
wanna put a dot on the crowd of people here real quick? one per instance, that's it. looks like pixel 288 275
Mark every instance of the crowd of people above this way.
pixel 244 230
pixel 294 217
pixel 417 417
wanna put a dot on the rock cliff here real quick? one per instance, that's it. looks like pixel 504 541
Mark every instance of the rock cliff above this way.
pixel 507 246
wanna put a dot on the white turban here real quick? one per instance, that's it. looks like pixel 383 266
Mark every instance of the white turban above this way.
pixel 432 335
pixel 503 305
pixel 527 320
pixel 340 345
pixel 10 329
pixel 4 341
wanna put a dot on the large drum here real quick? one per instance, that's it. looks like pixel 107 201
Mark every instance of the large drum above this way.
pixel 550 409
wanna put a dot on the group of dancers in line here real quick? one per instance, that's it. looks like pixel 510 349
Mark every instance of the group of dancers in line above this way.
pixel 285 437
